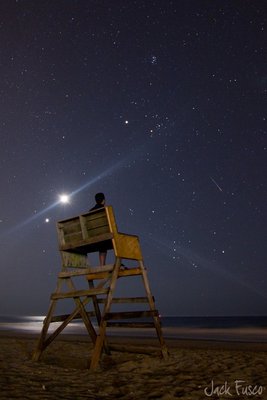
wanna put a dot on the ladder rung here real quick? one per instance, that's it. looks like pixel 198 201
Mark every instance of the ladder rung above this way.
pixel 86 271
pixel 130 272
pixel 79 272
pixel 126 300
pixel 105 274
pixel 98 275
pixel 131 314
pixel 130 324
pixel 78 293
pixel 104 268
pixel 60 318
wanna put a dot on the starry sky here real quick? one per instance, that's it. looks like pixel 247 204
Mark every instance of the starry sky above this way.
pixel 162 106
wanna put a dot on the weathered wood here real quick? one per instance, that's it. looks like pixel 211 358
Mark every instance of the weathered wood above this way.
pixel 83 227
pixel 157 322
pixel 102 328
pixel 86 271
pixel 53 335
pixel 130 272
pixel 122 273
pixel 98 346
pixel 46 341
pixel 86 245
pixel 73 260
pixel 95 303
pixel 107 267
pixel 98 275
pixel 41 341
pixel 63 317
pixel 87 322
pixel 79 236
pixel 79 272
pixel 78 293
pixel 127 246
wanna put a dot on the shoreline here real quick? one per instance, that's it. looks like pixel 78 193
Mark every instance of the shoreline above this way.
pixel 172 342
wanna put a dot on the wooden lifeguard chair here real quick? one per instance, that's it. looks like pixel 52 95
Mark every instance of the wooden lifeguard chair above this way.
pixel 79 236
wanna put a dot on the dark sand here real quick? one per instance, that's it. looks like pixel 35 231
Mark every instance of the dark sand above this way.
pixel 62 371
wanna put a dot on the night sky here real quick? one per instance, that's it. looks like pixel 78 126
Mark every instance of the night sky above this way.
pixel 162 106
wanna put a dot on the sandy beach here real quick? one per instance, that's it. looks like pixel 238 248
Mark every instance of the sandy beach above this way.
pixel 195 370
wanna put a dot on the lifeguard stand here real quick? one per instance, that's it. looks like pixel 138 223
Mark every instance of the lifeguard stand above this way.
pixel 79 236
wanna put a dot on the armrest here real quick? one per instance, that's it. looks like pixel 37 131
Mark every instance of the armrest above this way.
pixel 127 246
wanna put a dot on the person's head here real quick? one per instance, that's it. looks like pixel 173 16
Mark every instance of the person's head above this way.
pixel 100 198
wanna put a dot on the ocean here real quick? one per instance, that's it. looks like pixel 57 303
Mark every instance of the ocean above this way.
pixel 227 328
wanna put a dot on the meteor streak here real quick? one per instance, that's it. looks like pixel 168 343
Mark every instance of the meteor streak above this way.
pixel 215 183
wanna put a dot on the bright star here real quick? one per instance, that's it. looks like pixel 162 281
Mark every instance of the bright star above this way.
pixel 47 220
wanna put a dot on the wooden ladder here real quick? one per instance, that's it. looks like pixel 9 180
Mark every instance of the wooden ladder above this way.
pixel 79 236
pixel 114 319
pixel 102 284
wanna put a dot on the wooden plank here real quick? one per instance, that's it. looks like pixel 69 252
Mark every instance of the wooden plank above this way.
pixel 127 246
pixel 73 260
pixel 98 347
pixel 96 271
pixel 130 272
pixel 82 242
pixel 45 341
pixel 130 325
pixel 130 314
pixel 111 219
pixel 41 341
pixel 82 311
pixel 83 227
pixel 164 349
pixel 60 318
pixel 99 230
pixel 60 235
pixel 100 272
pixel 67 220
pixel 102 328
pixel 106 267
pixel 79 272
pixel 78 293
pixel 75 237
pixel 126 300
pixel 98 221
pixel 95 214
pixel 98 275
pixel 70 226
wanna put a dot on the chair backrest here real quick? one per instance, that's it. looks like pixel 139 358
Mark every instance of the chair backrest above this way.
pixel 84 233
pixel 86 229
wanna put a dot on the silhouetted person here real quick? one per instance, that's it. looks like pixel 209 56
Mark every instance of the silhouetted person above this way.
pixel 100 203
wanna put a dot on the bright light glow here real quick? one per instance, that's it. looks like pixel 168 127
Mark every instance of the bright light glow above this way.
pixel 64 198
pixel 47 220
